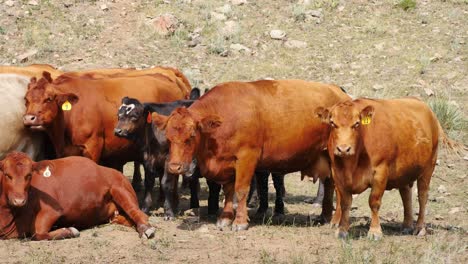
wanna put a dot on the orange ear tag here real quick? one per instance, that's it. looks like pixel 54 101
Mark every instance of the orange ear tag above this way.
pixel 148 118
pixel 366 120
pixel 66 106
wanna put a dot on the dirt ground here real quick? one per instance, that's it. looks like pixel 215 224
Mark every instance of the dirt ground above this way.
pixel 371 48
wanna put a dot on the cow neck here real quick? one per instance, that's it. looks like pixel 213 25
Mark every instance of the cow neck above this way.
pixel 57 134
pixel 7 219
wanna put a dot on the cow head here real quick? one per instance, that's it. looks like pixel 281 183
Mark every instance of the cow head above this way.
pixel 15 177
pixel 131 116
pixel 345 120
pixel 43 102
pixel 184 131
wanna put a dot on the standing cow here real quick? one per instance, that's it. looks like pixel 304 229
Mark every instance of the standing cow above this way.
pixel 239 126
pixel 72 193
pixel 382 145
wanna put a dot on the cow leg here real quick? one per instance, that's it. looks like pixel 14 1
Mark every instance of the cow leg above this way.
pixel 423 188
pixel 346 199
pixel 213 197
pixel 375 200
pixel 44 221
pixel 194 182
pixel 337 215
pixel 169 186
pixel 126 199
pixel 261 177
pixel 253 192
pixel 318 200
pixel 245 167
pixel 226 217
pixel 136 180
pixel 150 178
pixel 405 193
pixel 327 204
pixel 278 182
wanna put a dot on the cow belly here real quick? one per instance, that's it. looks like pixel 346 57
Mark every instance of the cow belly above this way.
pixel 91 215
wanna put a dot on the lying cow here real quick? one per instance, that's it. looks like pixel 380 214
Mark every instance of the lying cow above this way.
pixel 72 193
pixel 382 145
pixel 133 124
pixel 78 113
pixel 239 126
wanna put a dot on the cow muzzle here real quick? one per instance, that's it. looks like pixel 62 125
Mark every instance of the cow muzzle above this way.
pixel 344 150
pixel 177 168
pixel 120 132
pixel 32 122
pixel 17 200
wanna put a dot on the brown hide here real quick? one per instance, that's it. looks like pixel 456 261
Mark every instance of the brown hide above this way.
pixel 88 128
pixel 239 126
pixel 69 192
pixel 382 145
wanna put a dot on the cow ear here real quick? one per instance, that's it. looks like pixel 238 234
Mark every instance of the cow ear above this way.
pixel 70 97
pixel 367 113
pixel 210 123
pixel 160 121
pixel 46 75
pixel 323 114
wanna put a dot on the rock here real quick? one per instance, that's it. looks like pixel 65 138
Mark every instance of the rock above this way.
pixel 225 9
pixel 377 87
pixel 25 56
pixel 429 92
pixel 104 7
pixel 230 28
pixel 33 3
pixel 218 16
pixel 239 2
pixel 442 189
pixel 203 229
pixel 9 3
pixel 455 210
pixel 277 34
pixel 315 13
pixel 194 42
pixel 466 158
pixel 242 237
pixel 438 217
pixel 295 44
pixel 166 24
pixel 68 3
pixel 451 165
pixel 239 47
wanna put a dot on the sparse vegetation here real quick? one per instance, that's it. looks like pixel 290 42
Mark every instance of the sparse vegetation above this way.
pixel 449 116
pixel 407 4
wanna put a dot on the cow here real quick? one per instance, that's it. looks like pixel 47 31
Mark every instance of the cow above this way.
pixel 78 113
pixel 72 193
pixel 239 126
pixel 133 124
pixel 382 145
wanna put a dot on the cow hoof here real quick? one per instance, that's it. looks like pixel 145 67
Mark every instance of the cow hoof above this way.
pixel 407 230
pixel 278 218
pixel 317 205
pixel 149 233
pixel 223 223
pixel 145 210
pixel 74 231
pixel 260 214
pixel 420 231
pixel 169 218
pixel 374 235
pixel 341 234
pixel 240 227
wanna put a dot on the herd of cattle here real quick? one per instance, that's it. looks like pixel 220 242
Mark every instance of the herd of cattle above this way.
pixel 234 131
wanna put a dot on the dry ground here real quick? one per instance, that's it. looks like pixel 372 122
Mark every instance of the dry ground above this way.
pixel 371 48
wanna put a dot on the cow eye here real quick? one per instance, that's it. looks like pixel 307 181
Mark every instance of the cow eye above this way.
pixel 28 177
pixel 48 99
pixel 332 124
pixel 356 124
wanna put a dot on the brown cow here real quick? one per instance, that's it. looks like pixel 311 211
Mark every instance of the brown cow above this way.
pixel 381 144
pixel 239 126
pixel 85 127
pixel 71 193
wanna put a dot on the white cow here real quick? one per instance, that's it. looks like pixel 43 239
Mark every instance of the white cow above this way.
pixel 13 135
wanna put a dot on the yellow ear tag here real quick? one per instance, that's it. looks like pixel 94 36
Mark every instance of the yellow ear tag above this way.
pixel 66 106
pixel 366 120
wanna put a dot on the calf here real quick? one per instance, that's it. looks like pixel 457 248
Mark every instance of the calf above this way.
pixel 133 124
pixel 73 193
pixel 382 145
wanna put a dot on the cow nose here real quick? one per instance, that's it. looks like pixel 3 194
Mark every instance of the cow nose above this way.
pixel 28 119
pixel 117 131
pixel 175 168
pixel 343 148
pixel 19 202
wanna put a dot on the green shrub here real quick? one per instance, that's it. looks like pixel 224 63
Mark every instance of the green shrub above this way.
pixel 407 4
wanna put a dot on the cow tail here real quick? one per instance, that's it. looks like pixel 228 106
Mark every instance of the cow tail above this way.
pixel 446 141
